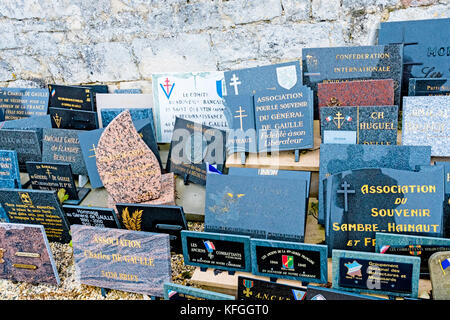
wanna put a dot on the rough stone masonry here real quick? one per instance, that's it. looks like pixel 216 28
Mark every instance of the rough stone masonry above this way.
pixel 122 42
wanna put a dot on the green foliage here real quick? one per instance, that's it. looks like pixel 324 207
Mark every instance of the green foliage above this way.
pixel 62 196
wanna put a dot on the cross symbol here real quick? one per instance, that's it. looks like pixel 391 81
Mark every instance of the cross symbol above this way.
pixel 93 149
pixel 339 118
pixel 247 292
pixel 345 185
pixel 167 85
pixel 48 172
pixel 234 83
pixel 240 116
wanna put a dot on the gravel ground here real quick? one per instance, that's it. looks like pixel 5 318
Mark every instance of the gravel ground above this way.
pixel 71 289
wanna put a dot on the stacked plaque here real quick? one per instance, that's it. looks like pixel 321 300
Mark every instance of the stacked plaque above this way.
pixel 72 107
pixel 268 109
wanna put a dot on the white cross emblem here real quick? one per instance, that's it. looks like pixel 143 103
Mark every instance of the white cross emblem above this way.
pixel 234 83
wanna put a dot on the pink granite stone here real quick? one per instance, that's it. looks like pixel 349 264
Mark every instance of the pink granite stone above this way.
pixel 167 194
pixel 129 170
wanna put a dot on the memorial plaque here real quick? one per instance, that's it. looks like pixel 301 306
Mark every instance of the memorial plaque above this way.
pixel 154 218
pixel 33 122
pixel 88 143
pixel 248 81
pixel 356 93
pixel 285 174
pixel 108 114
pixel 426 50
pixel 173 291
pixel 362 202
pixel 384 274
pixel 89 140
pixel 227 252
pixel 128 91
pixel 127 167
pixel 55 176
pixel 340 64
pixel 96 88
pixel 167 196
pixel 241 117
pixel 426 123
pixel 193 96
pixel 406 245
pixel 130 261
pixel 73 119
pixel 193 148
pixel 359 125
pixel 122 102
pixel 18 103
pixel 336 158
pixel 3 215
pixel 255 289
pixel 91 216
pixel 25 142
pixel 71 97
pixel 321 293
pixel 36 207
pixel 9 167
pixel 7 184
pixel 25 254
pixel 446 166
pixel 63 146
pixel 438 265
pixel 284 119
pixel 52 176
pixel 429 87
pixel 146 131
pixel 289 260
pixel 261 207
pixel 288 174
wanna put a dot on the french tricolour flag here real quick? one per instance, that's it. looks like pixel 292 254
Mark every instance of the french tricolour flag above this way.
pixel 384 248
pixel 209 246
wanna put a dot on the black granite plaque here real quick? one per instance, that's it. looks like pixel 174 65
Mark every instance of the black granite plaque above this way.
pixel 36 207
pixel 25 142
pixel 71 97
pixel 281 261
pixel 216 250
pixel 73 119
pixel 429 87
pixel 356 274
pixel 232 249
pixel 55 176
pixel 52 176
pixel 91 216
pixel 254 289
pixel 193 146
pixel 63 146
pixel 154 218
pixel 426 47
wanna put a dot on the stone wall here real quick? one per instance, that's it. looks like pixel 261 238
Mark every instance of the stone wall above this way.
pixel 122 42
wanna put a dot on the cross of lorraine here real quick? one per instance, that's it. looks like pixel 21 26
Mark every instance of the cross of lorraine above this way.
pixel 57 120
pixel 339 119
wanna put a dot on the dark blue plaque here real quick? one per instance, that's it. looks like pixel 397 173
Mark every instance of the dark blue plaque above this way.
pixel 362 202
pixel 353 63
pixel 18 103
pixel 426 47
